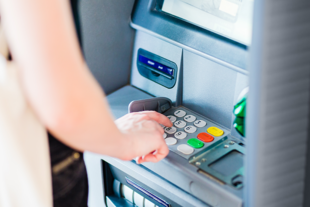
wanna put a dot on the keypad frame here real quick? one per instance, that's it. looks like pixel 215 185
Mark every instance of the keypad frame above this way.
pixel 209 122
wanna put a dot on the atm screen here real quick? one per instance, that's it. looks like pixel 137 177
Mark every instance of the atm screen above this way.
pixel 229 18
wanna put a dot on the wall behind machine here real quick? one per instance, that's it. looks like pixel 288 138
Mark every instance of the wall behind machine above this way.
pixel 108 40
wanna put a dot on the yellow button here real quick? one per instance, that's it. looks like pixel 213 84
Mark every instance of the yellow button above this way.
pixel 215 131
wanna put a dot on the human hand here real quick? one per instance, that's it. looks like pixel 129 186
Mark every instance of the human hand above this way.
pixel 145 134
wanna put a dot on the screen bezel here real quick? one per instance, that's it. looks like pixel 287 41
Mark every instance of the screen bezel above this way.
pixel 147 17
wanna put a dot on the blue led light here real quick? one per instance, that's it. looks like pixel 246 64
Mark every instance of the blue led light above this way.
pixel 156 65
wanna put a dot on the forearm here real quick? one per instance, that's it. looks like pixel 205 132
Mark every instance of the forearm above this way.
pixel 56 81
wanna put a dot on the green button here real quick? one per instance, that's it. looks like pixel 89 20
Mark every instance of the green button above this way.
pixel 195 143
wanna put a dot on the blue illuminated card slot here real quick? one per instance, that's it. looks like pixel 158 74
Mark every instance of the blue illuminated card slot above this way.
pixel 153 64
pixel 157 68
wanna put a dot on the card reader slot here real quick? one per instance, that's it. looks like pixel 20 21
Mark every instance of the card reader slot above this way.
pixel 157 72
pixel 157 68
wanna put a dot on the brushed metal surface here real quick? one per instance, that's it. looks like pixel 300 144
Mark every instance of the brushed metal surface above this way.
pixel 160 48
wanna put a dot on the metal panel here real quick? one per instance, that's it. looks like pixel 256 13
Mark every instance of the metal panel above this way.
pixel 188 35
pixel 154 182
pixel 108 40
pixel 163 49
pixel 209 88
pixel 278 105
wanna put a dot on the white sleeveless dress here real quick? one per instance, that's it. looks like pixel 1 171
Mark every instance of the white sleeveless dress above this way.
pixel 25 172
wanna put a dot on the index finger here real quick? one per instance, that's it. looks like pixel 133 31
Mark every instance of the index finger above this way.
pixel 160 118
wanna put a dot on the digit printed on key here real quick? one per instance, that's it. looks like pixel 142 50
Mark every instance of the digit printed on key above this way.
pixel 180 135
pixel 190 129
pixel 180 113
pixel 180 124
pixel 189 118
pixel 170 130
pixel 200 123
pixel 172 118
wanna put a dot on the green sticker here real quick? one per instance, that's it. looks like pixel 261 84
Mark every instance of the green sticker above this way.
pixel 195 143
pixel 239 125
pixel 240 108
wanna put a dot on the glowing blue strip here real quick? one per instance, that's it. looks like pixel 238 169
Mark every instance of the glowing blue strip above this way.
pixel 147 193
pixel 156 65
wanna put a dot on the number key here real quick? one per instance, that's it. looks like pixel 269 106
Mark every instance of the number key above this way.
pixel 189 118
pixel 190 129
pixel 170 130
pixel 200 123
pixel 172 118
pixel 179 113
pixel 180 135
pixel 180 124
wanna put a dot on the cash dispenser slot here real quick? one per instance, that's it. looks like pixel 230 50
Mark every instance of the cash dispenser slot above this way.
pixel 123 190
pixel 156 68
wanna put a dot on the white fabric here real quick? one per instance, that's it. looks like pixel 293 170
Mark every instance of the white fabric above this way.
pixel 25 174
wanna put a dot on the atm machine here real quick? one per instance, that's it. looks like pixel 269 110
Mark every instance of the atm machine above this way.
pixel 193 61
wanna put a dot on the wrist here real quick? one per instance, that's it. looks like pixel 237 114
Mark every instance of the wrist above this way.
pixel 125 146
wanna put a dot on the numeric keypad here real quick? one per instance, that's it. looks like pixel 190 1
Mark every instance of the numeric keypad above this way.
pixel 189 133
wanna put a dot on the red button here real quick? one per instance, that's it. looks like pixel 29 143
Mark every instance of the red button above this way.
pixel 205 137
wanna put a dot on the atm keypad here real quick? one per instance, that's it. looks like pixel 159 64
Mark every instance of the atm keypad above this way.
pixel 191 132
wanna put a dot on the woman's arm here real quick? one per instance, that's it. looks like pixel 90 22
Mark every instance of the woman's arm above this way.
pixel 61 89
